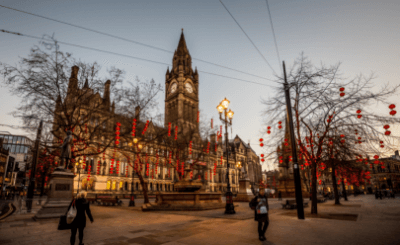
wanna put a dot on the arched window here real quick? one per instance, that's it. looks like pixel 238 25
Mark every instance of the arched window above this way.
pixel 109 185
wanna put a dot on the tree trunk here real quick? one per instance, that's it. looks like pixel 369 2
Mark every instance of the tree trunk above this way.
pixel 314 209
pixel 144 188
pixel 42 187
pixel 344 190
pixel 335 187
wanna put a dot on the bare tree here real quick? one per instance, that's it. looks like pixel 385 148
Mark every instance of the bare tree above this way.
pixel 326 105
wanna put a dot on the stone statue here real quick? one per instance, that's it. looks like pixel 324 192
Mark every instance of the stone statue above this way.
pixel 66 149
pixel 243 173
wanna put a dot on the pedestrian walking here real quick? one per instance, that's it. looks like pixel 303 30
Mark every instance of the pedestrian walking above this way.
pixel 279 195
pixel 261 208
pixel 79 222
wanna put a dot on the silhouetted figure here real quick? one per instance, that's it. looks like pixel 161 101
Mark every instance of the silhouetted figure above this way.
pixel 279 195
pixel 79 222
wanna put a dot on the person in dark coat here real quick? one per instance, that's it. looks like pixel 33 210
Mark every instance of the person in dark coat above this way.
pixel 279 195
pixel 79 222
pixel 261 209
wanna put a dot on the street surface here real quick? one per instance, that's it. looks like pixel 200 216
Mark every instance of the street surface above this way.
pixel 375 222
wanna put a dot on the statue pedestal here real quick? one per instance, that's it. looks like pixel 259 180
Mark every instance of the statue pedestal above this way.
pixel 59 195
pixel 245 194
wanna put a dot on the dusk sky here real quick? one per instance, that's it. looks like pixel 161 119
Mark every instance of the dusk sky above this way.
pixel 363 35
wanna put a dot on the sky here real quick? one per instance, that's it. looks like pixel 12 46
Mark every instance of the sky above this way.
pixel 362 35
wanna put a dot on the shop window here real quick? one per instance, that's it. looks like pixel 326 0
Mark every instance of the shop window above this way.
pixel 114 185
pixel 108 185
pixel 121 185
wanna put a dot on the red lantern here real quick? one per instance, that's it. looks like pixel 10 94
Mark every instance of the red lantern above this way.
pixel 358 111
pixel 262 160
pixel 268 127
pixel 261 144
pixel 342 136
pixel 382 146
pixel 359 116
pixel 279 122
pixel 261 140
pixel 342 94
pixel 376 157
pixel 342 141
pixel 262 155
pixel 386 126
pixel 387 133
pixel 268 132
pixel 341 89
pixel 392 106
pixel 392 113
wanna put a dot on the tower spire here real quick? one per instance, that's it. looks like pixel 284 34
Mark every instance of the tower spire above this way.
pixel 182 57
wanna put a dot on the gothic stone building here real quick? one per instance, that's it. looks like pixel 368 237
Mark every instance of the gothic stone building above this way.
pixel 181 108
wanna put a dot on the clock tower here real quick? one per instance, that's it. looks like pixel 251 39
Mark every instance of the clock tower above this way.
pixel 182 90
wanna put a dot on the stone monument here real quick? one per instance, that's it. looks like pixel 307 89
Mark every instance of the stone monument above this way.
pixel 245 194
pixel 61 186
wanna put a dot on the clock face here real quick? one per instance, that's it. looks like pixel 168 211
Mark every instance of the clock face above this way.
pixel 189 87
pixel 173 88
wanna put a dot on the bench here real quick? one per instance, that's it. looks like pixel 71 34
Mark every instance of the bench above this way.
pixel 321 199
pixel 291 203
pixel 91 198
pixel 105 199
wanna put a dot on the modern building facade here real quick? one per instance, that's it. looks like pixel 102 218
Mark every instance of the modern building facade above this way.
pixel 19 148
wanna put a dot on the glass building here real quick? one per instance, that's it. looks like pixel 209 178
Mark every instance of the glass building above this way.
pixel 17 144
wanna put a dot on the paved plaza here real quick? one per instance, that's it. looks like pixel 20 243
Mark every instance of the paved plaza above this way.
pixel 361 220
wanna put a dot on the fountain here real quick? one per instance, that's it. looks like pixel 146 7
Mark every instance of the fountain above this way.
pixel 191 196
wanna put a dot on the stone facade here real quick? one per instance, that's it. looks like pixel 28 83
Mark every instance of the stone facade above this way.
pixel 181 108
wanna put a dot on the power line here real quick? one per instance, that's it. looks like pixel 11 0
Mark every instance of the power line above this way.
pixel 273 33
pixel 128 40
pixel 248 37
pixel 127 56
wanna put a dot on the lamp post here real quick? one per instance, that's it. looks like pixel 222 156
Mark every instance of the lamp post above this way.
pixel 79 167
pixel 223 108
pixel 136 149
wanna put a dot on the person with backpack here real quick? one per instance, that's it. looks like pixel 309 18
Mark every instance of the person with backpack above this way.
pixel 82 207
pixel 260 206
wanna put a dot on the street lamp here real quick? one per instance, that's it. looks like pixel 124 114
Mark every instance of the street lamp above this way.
pixel 223 107
pixel 79 167
pixel 136 149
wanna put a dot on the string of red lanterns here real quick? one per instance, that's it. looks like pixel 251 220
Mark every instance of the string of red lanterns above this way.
pixel 145 127
pixel 392 111
pixel 342 92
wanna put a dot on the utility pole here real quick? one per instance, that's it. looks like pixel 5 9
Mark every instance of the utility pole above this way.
pixel 296 171
pixel 31 188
